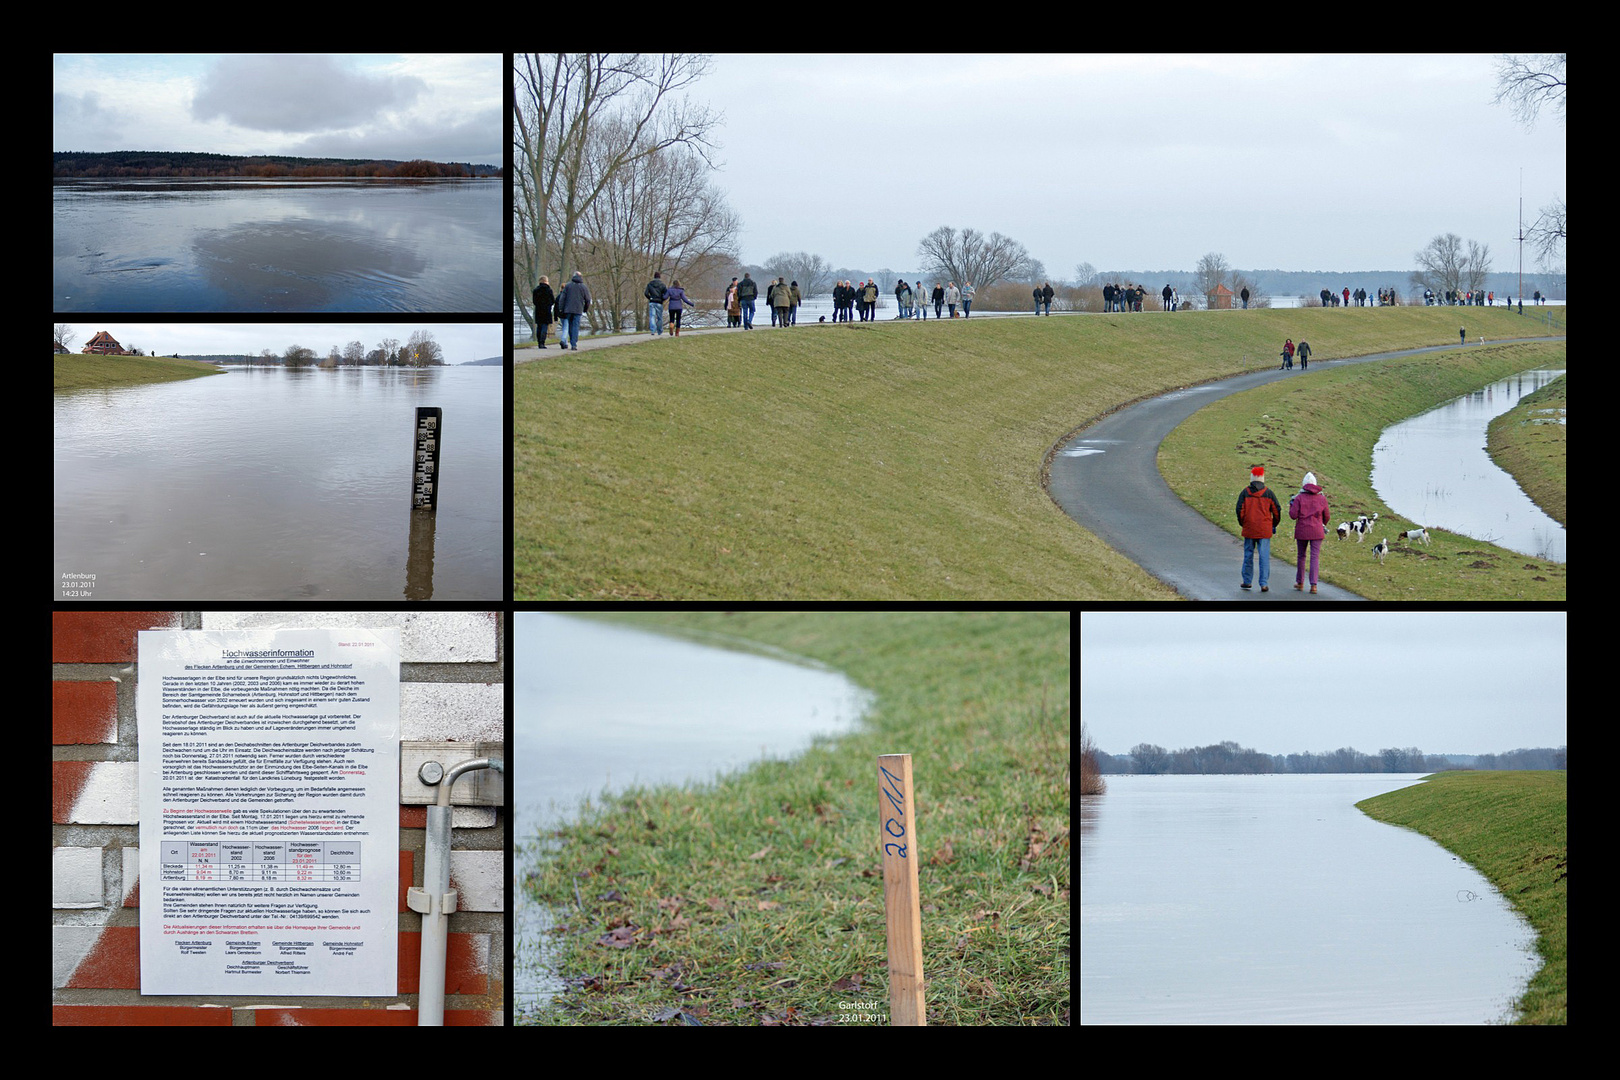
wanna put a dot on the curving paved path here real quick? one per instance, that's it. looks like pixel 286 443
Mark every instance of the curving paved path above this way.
pixel 1107 478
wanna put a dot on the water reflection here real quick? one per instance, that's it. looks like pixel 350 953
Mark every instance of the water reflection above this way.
pixel 1433 469
pixel 335 245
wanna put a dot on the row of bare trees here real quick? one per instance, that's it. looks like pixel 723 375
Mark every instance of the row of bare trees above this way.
pixel 612 178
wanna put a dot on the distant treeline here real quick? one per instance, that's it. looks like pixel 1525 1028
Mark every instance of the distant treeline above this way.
pixel 136 163
pixel 1229 757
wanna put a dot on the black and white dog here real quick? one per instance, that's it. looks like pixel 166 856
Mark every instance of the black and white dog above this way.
pixel 1417 534
pixel 1358 526
pixel 1381 549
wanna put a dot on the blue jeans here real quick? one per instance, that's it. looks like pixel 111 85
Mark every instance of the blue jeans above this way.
pixel 1249 547
pixel 655 317
pixel 568 330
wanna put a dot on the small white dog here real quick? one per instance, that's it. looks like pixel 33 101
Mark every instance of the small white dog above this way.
pixel 1381 549
pixel 1417 535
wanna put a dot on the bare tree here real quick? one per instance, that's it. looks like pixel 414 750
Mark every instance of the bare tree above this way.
pixel 558 100
pixel 1213 270
pixel 1546 236
pixel 1528 82
pixel 1091 781
pixel 812 272
pixel 972 257
pixel 422 350
pixel 1450 264
pixel 657 213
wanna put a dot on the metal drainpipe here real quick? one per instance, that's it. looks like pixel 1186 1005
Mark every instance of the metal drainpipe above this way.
pixel 435 899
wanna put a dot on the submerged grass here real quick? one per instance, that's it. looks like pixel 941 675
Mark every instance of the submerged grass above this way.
pixel 1510 826
pixel 758 900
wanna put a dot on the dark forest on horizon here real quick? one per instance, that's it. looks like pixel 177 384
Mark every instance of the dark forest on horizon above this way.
pixel 161 163
pixel 1228 758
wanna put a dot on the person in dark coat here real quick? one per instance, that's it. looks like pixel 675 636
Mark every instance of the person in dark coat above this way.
pixel 574 302
pixel 544 301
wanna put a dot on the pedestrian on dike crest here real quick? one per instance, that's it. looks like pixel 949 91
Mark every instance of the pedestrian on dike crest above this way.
pixel 1259 514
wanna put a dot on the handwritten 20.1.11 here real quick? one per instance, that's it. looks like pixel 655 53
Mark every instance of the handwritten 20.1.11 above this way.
pixel 894 825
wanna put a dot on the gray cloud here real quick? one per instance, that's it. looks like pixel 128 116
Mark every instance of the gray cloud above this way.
pixel 298 94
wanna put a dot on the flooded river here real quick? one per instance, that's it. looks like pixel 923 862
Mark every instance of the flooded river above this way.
pixel 1273 900
pixel 247 245
pixel 279 484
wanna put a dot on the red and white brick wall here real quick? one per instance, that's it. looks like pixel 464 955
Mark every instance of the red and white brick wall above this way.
pixel 452 688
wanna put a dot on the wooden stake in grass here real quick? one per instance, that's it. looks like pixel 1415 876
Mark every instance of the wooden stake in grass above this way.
pixel 897 838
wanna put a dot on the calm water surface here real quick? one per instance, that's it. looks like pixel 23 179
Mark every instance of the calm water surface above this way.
pixel 244 245
pixel 1433 468
pixel 599 707
pixel 1272 899
pixel 268 483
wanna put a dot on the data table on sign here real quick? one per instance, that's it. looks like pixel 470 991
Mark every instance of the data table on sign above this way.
pixel 289 862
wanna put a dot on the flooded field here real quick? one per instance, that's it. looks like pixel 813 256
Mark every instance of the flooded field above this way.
pixel 1273 900
pixel 258 246
pixel 1434 469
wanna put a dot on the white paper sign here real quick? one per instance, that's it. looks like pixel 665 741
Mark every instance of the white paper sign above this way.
pixel 269 811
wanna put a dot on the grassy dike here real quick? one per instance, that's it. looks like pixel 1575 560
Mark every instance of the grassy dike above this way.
pixel 881 461
pixel 1327 421
pixel 1510 826
pixel 81 371
pixel 1527 441
pixel 759 900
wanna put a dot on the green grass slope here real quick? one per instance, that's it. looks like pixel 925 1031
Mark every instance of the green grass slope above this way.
pixel 878 461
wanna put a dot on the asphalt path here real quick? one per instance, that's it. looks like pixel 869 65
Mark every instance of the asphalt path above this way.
pixel 1106 477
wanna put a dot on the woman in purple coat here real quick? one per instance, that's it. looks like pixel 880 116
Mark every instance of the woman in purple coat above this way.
pixel 677 303
pixel 1309 509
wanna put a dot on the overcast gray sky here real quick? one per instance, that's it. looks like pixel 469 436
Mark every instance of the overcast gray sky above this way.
pixel 1295 162
pixel 391 106
pixel 1445 682
pixel 461 341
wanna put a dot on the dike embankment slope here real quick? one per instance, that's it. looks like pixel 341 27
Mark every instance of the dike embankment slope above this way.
pixel 1511 827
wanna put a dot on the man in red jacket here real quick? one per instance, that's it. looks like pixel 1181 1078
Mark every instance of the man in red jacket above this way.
pixel 1258 513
